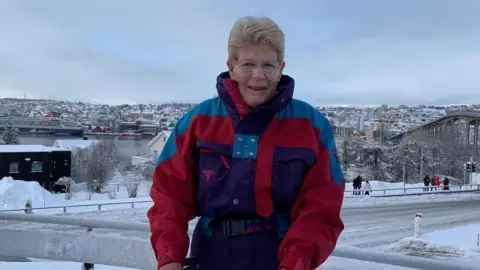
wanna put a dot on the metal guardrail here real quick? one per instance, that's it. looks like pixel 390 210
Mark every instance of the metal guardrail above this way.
pixel 438 189
pixel 65 207
pixel 473 188
pixel 137 253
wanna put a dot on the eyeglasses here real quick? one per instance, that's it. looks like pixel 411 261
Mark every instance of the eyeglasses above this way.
pixel 250 66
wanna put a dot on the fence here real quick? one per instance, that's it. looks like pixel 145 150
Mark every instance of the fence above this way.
pixel 436 189
pixel 461 189
pixel 136 252
pixel 65 207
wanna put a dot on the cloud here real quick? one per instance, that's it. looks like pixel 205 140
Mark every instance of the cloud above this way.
pixel 339 52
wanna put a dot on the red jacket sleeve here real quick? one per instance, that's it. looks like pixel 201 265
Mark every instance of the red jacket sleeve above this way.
pixel 316 223
pixel 173 195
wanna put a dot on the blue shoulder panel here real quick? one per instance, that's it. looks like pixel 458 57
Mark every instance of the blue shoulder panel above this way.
pixel 301 109
pixel 210 107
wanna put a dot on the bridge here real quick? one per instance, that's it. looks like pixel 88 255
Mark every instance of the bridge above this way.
pixel 443 123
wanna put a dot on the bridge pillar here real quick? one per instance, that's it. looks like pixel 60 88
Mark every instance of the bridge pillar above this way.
pixel 475 136
pixel 468 133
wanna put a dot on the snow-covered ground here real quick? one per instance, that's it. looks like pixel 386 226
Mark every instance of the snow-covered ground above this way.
pixel 332 263
pixel 15 193
pixel 401 188
pixel 458 242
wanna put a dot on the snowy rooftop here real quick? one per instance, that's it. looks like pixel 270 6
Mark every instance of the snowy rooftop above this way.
pixel 71 144
pixel 29 148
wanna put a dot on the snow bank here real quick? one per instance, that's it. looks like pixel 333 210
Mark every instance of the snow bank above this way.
pixel 354 201
pixel 54 266
pixel 454 242
pixel 15 193
pixel 421 247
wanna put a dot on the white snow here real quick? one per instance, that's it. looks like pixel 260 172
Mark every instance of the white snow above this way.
pixel 29 148
pixel 438 194
pixel 332 263
pixel 360 201
pixel 53 266
pixel 14 194
pixel 465 237
pixel 462 241
pixel 72 144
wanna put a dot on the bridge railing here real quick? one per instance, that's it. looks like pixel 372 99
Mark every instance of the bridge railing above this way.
pixel 423 189
pixel 136 252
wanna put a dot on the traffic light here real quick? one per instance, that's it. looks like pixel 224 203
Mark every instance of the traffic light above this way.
pixel 469 167
pixel 474 167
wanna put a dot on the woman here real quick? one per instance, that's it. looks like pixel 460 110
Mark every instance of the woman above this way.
pixel 259 168
pixel 367 188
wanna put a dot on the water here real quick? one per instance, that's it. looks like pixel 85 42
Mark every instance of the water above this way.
pixel 126 149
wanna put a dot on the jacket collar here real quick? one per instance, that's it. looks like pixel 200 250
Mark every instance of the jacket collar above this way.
pixel 228 91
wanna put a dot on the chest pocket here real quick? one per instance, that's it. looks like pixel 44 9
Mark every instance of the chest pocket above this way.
pixel 290 164
pixel 213 166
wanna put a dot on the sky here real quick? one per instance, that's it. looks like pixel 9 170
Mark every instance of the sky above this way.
pixel 342 52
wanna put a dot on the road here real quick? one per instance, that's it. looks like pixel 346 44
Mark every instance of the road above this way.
pixel 365 226
pixel 373 226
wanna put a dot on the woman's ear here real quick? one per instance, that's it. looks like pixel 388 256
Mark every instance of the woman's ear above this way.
pixel 230 68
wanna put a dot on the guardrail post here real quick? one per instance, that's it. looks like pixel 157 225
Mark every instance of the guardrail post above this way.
pixel 99 207
pixel 133 205
pixel 64 209
pixel 417 224
pixel 384 191
pixel 88 266
pixel 118 187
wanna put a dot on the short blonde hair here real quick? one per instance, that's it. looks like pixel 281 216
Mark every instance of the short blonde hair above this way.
pixel 256 30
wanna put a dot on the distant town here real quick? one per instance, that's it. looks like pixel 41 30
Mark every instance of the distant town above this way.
pixel 63 118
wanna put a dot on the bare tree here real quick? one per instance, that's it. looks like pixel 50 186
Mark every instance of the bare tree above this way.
pixel 79 164
pixel 102 161
pixel 132 181
pixel 68 182
pixel 441 152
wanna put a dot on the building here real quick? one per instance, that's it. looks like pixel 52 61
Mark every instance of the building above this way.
pixel 35 163
pixel 156 146
pixel 361 124
pixel 342 132
pixel 158 142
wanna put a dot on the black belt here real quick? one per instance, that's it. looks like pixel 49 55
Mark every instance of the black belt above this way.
pixel 244 226
pixel 234 227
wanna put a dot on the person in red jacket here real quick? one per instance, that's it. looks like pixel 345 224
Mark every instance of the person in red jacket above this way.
pixel 258 167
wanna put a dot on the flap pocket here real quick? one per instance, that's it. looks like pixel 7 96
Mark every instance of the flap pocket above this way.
pixel 286 154
pixel 206 146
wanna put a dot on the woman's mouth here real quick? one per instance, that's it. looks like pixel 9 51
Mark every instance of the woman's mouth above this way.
pixel 257 88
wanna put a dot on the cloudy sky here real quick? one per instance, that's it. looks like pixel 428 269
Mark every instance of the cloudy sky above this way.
pixel 340 52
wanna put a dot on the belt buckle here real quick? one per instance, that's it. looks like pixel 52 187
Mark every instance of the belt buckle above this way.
pixel 237 227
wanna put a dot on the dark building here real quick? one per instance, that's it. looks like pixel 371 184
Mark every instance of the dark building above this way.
pixel 35 163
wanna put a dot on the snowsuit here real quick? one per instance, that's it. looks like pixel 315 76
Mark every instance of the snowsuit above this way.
pixel 269 196
pixel 432 183
pixel 437 182
pixel 357 185
pixel 446 182
pixel 367 188
pixel 426 182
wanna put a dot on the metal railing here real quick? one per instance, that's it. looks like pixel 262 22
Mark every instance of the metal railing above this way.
pixel 436 189
pixel 65 207
pixel 137 252
pixel 461 189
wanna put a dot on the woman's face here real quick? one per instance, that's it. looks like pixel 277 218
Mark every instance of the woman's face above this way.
pixel 257 72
